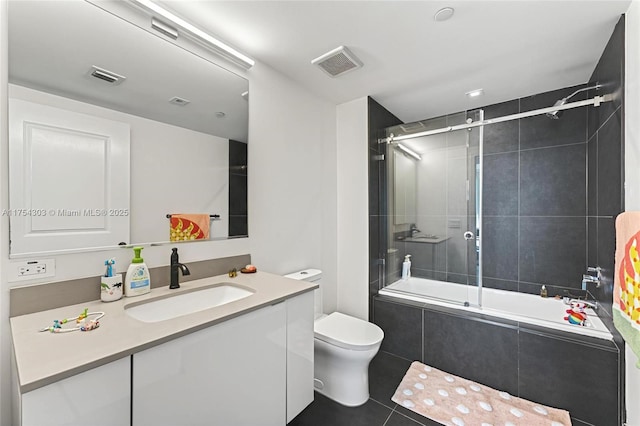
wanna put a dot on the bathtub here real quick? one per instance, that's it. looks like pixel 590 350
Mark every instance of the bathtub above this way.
pixel 525 308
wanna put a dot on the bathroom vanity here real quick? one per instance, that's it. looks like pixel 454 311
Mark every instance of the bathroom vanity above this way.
pixel 244 362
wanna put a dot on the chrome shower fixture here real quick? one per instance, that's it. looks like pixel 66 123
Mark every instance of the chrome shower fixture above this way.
pixel 556 114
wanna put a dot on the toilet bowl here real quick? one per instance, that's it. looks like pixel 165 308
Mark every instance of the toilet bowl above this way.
pixel 343 348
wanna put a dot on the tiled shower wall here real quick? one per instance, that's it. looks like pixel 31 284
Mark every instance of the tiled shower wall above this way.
pixel 605 170
pixel 379 119
pixel 552 189
pixel 238 218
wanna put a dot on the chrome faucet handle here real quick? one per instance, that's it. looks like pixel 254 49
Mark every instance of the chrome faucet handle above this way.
pixel 597 270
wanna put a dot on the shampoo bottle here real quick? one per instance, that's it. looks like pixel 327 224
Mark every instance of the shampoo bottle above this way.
pixel 543 291
pixel 406 267
pixel 138 280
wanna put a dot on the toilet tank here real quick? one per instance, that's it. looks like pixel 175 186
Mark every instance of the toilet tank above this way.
pixel 311 275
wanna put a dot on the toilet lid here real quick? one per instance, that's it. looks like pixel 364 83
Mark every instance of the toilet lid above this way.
pixel 348 332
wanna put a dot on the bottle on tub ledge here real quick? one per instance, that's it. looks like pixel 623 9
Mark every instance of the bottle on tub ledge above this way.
pixel 138 280
pixel 406 267
pixel 543 291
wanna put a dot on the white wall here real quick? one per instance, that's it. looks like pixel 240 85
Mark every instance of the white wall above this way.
pixel 632 177
pixel 292 195
pixel 353 208
pixel 291 136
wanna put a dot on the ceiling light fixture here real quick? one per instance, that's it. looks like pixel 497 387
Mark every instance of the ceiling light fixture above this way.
pixel 443 14
pixel 474 93
pixel 410 152
pixel 208 40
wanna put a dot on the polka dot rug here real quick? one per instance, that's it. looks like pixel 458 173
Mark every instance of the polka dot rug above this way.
pixel 452 400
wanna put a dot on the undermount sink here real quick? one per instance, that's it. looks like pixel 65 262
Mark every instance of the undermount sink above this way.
pixel 187 303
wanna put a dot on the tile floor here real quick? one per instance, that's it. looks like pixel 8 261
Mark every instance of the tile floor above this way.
pixel 385 373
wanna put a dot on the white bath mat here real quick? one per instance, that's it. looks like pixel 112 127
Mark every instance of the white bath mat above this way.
pixel 452 400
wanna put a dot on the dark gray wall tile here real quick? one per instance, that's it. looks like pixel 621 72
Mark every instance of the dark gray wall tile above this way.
pixel 501 137
pixel 499 284
pixel 500 247
pixel 238 189
pixel 379 118
pixel 375 248
pixel 500 185
pixel 552 250
pixel 592 241
pixel 238 157
pixel 592 176
pixel 610 167
pixel 238 225
pixel 476 350
pixel 610 71
pixel 606 259
pixel 402 326
pixel 542 131
pixel 237 195
pixel 551 379
pixel 552 181
pixel 423 255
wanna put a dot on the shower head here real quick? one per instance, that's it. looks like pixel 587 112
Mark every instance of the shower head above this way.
pixel 556 114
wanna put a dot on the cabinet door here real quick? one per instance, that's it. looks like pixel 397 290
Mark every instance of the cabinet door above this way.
pixel 299 354
pixel 233 373
pixel 98 397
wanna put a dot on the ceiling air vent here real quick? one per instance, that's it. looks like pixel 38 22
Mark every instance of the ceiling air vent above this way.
pixel 179 101
pixel 337 62
pixel 108 76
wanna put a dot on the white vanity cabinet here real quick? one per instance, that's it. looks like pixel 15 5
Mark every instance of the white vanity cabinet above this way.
pixel 300 316
pixel 252 369
pixel 233 373
pixel 98 397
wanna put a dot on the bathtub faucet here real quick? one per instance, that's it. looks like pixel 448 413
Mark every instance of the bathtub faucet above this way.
pixel 589 277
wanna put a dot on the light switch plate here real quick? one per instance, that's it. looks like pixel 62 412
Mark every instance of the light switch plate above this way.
pixel 31 270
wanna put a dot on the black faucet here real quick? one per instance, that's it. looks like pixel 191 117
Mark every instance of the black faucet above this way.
pixel 175 267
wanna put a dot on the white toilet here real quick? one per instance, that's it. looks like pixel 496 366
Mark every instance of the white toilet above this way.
pixel 343 348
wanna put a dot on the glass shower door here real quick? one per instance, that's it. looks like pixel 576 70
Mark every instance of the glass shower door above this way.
pixel 433 210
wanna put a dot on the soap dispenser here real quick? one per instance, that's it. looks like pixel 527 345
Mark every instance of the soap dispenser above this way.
pixel 137 280
pixel 406 267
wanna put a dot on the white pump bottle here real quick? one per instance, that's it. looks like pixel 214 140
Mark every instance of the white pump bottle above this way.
pixel 406 267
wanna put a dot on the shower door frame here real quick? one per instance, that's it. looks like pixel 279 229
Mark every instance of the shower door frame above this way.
pixel 595 101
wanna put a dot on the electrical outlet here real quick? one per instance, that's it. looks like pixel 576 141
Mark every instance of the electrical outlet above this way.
pixel 32 270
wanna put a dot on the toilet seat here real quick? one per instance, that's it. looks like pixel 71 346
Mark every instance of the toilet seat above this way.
pixel 348 332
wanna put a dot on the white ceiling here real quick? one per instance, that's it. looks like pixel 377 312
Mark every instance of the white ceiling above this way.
pixel 416 67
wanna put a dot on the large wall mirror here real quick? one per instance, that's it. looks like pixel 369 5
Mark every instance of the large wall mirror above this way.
pixel 112 128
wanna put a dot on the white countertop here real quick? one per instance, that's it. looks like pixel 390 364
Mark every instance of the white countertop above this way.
pixel 43 357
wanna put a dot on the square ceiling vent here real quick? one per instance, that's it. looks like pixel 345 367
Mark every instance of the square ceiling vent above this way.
pixel 337 62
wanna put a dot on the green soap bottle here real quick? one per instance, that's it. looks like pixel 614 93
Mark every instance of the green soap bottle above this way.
pixel 138 280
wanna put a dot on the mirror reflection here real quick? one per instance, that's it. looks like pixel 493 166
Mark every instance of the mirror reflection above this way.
pixel 112 128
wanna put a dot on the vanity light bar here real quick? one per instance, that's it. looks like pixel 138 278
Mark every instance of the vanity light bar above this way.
pixel 410 152
pixel 210 41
